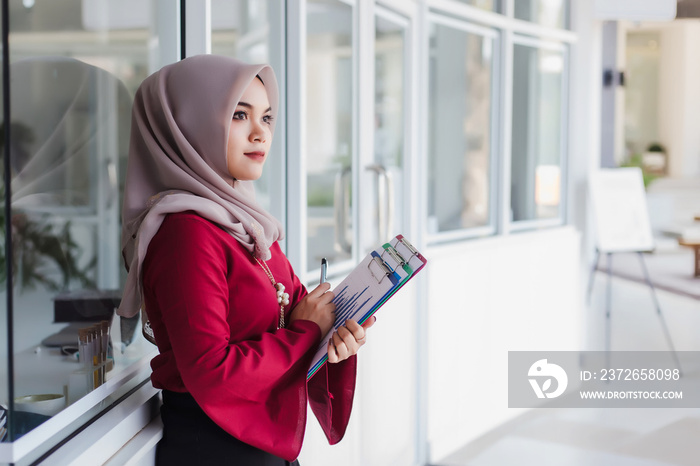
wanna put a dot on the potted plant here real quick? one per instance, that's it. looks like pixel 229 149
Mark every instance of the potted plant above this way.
pixel 655 160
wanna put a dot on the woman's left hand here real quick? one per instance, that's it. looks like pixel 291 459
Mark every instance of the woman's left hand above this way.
pixel 348 339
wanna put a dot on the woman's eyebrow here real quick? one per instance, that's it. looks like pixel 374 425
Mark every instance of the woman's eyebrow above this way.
pixel 247 105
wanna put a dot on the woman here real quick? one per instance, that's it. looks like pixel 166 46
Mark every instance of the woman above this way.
pixel 235 328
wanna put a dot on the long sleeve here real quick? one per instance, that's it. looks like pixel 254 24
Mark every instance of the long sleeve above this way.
pixel 214 313
pixel 219 327
pixel 331 392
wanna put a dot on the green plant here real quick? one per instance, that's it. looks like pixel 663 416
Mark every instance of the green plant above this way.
pixel 39 248
pixel 655 147
pixel 635 160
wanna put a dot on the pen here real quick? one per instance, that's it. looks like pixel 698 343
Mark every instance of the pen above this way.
pixel 324 269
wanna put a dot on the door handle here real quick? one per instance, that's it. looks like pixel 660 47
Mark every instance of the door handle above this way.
pixel 341 210
pixel 112 183
pixel 385 200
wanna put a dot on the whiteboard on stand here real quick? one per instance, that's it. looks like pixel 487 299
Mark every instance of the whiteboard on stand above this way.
pixel 620 210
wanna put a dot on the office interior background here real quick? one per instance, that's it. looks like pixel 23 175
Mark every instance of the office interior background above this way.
pixel 469 126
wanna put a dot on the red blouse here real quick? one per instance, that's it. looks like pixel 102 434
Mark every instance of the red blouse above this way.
pixel 214 313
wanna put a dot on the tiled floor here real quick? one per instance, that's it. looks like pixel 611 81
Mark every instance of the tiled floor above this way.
pixel 606 437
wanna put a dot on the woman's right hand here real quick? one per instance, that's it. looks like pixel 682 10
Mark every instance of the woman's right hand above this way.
pixel 317 307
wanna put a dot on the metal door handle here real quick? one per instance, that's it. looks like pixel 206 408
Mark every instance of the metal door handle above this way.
pixel 341 210
pixel 113 183
pixel 385 200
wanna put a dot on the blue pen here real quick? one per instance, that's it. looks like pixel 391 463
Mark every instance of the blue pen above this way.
pixel 324 269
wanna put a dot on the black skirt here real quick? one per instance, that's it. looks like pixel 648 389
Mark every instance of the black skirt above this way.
pixel 190 437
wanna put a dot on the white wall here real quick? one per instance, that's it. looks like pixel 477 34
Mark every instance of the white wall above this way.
pixel 382 428
pixel 488 297
pixel 679 94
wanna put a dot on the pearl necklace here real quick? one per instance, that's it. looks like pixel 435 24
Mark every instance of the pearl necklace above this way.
pixel 282 297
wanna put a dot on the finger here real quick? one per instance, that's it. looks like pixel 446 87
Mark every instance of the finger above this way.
pixel 369 322
pixel 344 334
pixel 332 352
pixel 327 297
pixel 356 329
pixel 320 289
pixel 350 342
pixel 341 346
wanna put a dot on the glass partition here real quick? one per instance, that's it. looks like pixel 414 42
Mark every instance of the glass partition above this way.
pixel 5 335
pixel 329 131
pixel 537 133
pixel 489 5
pixel 253 31
pixel 550 13
pixel 460 128
pixel 74 68
pixel 389 127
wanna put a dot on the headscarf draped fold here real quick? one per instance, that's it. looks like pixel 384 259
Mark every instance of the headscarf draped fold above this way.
pixel 177 160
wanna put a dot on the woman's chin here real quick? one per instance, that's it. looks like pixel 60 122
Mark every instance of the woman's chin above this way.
pixel 249 177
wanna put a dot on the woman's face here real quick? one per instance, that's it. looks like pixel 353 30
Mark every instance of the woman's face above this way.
pixel 250 134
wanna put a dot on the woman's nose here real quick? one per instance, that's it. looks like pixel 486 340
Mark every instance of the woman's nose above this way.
pixel 258 133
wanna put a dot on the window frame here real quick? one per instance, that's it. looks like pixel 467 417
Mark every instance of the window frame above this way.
pixel 511 31
pixel 560 219
pixel 493 34
pixel 56 431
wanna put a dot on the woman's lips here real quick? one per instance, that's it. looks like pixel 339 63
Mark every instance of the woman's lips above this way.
pixel 255 155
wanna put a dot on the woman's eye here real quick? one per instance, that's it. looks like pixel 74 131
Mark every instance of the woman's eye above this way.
pixel 239 116
pixel 268 119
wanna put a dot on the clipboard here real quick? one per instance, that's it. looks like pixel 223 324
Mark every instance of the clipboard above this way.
pixel 410 254
pixel 375 279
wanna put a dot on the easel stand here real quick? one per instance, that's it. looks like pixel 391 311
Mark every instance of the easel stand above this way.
pixel 608 300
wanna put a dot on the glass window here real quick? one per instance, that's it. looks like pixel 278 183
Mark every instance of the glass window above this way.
pixel 73 71
pixel 550 13
pixel 251 31
pixel 460 129
pixel 389 130
pixel 240 28
pixel 642 73
pixel 537 128
pixel 4 265
pixel 330 131
pixel 489 5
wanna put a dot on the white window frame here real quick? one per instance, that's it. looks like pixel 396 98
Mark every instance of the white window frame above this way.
pixel 560 219
pixel 486 33
pixel 59 429
pixel 296 197
pixel 510 31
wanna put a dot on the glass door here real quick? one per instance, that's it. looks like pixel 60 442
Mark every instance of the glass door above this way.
pixel 73 71
pixel 253 31
pixel 384 190
pixel 330 132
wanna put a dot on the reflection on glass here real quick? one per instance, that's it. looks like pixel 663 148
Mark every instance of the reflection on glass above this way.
pixel 389 128
pixel 329 123
pixel 550 13
pixel 241 29
pixel 489 5
pixel 4 331
pixel 459 129
pixel 74 68
pixel 642 71
pixel 537 133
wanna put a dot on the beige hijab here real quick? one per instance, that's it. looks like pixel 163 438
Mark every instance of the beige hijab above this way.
pixel 177 160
